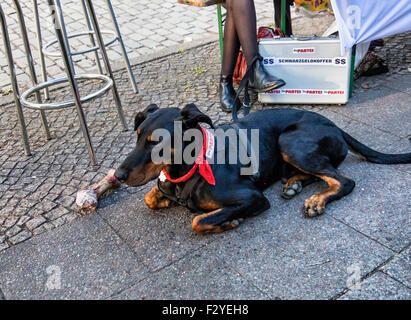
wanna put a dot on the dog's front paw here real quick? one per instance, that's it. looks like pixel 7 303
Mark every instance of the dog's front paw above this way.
pixel 154 199
pixel 314 206
pixel 290 191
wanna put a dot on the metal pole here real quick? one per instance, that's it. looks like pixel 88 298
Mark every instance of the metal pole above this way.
pixel 122 46
pixel 283 10
pixel 100 41
pixel 68 62
pixel 60 20
pixel 40 47
pixel 220 30
pixel 93 43
pixel 352 69
pixel 13 78
pixel 30 62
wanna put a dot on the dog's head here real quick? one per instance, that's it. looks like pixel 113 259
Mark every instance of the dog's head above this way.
pixel 138 168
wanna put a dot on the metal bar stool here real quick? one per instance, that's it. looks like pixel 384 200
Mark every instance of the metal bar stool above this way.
pixel 13 77
pixel 62 39
pixel 116 36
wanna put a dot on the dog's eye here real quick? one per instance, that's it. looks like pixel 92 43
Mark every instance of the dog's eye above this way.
pixel 150 142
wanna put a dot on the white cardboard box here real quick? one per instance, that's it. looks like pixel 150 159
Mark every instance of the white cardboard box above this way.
pixel 313 69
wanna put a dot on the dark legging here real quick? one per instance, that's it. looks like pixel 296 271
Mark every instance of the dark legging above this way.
pixel 240 29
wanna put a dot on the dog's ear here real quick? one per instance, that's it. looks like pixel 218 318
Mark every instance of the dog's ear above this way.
pixel 141 116
pixel 191 116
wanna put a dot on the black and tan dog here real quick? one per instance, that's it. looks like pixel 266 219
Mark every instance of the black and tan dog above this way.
pixel 296 146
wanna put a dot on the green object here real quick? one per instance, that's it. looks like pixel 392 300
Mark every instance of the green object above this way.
pixel 283 16
pixel 352 71
pixel 220 29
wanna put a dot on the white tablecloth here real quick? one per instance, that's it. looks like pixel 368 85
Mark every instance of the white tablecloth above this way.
pixel 366 20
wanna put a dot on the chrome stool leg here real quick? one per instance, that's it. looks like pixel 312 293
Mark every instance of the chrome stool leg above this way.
pixel 122 46
pixel 55 10
pixel 91 36
pixel 109 71
pixel 30 63
pixel 40 48
pixel 62 25
pixel 13 78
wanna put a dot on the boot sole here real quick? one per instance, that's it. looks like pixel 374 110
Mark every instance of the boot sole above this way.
pixel 230 110
pixel 275 86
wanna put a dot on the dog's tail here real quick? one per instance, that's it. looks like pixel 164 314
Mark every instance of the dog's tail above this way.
pixel 372 155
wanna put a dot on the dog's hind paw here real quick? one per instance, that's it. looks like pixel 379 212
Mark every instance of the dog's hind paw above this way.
pixel 290 191
pixel 314 206
pixel 233 224
pixel 201 228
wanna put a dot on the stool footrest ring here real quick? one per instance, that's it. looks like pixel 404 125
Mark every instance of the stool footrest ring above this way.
pixel 73 53
pixel 65 104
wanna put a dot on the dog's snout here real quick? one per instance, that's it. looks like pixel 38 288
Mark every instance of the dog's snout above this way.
pixel 121 175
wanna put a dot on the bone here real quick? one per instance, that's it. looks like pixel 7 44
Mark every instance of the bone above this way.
pixel 87 200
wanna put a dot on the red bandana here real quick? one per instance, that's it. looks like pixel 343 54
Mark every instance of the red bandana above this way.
pixel 201 162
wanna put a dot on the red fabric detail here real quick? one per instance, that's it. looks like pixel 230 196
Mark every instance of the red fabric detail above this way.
pixel 184 178
pixel 241 65
pixel 201 163
pixel 267 32
pixel 240 68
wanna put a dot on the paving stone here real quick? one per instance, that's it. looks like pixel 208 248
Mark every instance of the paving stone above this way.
pixel 404 85
pixel 58 222
pixel 377 139
pixel 43 228
pixel 399 268
pixel 3 246
pixel 66 201
pixel 366 110
pixel 379 287
pixel 13 231
pixel 89 259
pixel 35 222
pixel 56 213
pixel 180 281
pixel 23 220
pixel 376 206
pixel 20 237
pixel 10 221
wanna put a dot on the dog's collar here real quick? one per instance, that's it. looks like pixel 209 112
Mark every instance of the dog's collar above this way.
pixel 201 162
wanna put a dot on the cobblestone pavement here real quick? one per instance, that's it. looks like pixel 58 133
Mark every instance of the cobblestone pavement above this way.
pixel 37 193
pixel 147 26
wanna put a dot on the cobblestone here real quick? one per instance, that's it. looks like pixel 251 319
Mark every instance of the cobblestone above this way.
pixel 13 231
pixel 20 237
pixel 3 246
pixel 35 222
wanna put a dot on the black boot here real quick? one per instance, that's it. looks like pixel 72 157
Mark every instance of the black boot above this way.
pixel 260 80
pixel 227 93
